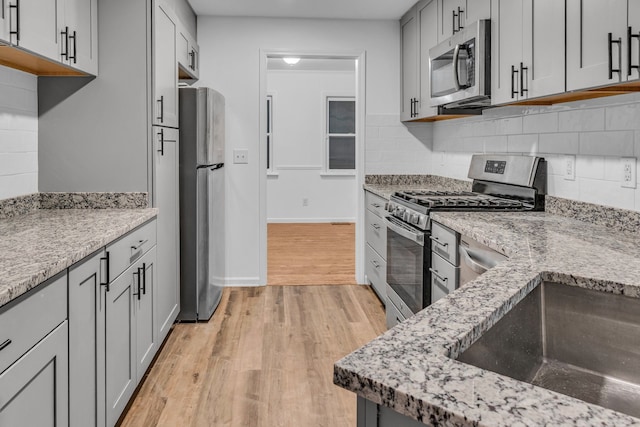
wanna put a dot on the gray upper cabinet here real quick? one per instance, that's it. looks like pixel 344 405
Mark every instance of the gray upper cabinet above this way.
pixel 188 55
pixel 165 68
pixel 528 50
pixel 34 25
pixel 633 41
pixel 426 11
pixel 597 42
pixel 454 15
pixel 409 64
pixel 79 35
pixel 167 200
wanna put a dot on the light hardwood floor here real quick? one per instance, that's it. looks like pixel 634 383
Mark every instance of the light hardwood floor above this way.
pixel 265 359
pixel 311 254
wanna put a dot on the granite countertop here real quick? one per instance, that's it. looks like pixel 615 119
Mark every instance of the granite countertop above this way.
pixel 40 244
pixel 411 369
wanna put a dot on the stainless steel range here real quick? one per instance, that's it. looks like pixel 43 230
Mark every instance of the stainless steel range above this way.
pixel 500 183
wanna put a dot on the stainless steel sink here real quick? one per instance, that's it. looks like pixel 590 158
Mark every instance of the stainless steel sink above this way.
pixel 579 342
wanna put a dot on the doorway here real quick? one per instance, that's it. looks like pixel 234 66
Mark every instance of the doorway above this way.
pixel 311 144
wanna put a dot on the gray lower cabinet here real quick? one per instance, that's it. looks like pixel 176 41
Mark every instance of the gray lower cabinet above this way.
pixel 86 310
pixel 130 342
pixel 168 203
pixel 376 247
pixel 34 387
pixel 371 414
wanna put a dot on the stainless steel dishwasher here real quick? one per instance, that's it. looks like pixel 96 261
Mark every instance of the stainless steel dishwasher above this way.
pixel 475 259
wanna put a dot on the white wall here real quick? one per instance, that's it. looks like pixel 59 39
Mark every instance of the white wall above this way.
pixel 230 55
pixel 18 133
pixel 299 149
pixel 598 132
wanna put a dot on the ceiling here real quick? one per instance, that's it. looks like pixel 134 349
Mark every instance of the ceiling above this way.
pixel 329 9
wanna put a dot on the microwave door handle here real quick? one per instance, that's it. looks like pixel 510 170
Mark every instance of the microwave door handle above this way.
pixel 456 76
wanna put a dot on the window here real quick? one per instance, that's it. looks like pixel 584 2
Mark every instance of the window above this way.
pixel 341 133
pixel 269 132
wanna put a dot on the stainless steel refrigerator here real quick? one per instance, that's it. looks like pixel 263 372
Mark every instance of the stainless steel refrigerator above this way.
pixel 202 202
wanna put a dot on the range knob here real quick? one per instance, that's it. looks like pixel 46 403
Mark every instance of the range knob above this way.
pixel 415 218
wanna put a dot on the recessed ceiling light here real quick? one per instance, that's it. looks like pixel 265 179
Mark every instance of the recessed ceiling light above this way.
pixel 291 61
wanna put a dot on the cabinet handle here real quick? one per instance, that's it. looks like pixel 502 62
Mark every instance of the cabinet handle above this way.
pixel 376 226
pixel 15 32
pixel 5 344
pixel 415 107
pixel 460 12
pixel 437 240
pixel 106 258
pixel 612 70
pixel 139 245
pixel 161 102
pixel 435 273
pixel 453 21
pixel 74 47
pixel 522 79
pixel 514 91
pixel 144 278
pixel 411 113
pixel 375 205
pixel 64 34
pixel 161 135
pixel 137 273
pixel 630 37
pixel 375 263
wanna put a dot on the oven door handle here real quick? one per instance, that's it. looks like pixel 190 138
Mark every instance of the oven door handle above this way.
pixel 401 229
pixel 475 261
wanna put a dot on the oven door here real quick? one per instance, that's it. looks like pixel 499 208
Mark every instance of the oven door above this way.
pixel 408 261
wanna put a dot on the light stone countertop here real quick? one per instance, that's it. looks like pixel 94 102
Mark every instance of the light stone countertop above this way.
pixel 40 244
pixel 411 369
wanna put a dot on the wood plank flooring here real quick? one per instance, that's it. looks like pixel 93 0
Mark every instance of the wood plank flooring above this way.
pixel 311 254
pixel 265 359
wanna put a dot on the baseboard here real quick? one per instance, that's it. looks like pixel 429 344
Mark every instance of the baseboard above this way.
pixel 242 281
pixel 309 220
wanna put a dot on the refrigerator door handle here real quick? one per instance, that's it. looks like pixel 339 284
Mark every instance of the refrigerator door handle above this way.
pixel 217 166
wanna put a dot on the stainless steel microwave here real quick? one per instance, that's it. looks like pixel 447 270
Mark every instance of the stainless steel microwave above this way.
pixel 460 68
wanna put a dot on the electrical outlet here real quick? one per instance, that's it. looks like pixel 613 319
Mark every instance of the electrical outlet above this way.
pixel 628 172
pixel 570 168
pixel 241 156
pixel 305 202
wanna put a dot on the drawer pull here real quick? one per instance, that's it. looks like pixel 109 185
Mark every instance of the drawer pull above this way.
pixel 435 239
pixel 375 205
pixel 106 259
pixel 375 263
pixel 139 245
pixel 376 226
pixel 5 344
pixel 435 273
pixel 137 274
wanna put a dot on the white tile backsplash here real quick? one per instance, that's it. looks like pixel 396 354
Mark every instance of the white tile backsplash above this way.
pixel 598 132
pixel 18 133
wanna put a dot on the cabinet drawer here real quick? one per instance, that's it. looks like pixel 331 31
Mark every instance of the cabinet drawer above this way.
pixel 375 203
pixel 393 315
pixel 376 233
pixel 126 250
pixel 444 277
pixel 26 320
pixel 444 242
pixel 376 271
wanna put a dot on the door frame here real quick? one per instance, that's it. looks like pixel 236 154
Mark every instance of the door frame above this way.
pixel 360 58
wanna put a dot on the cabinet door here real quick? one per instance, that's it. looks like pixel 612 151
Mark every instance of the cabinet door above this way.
pixel 144 295
pixel 120 343
pixel 588 24
pixel 81 19
pixel 4 21
pixel 182 49
pixel 38 29
pixel 168 247
pixel 451 16
pixel 165 68
pixel 34 390
pixel 543 32
pixel 633 43
pixel 428 18
pixel 476 10
pixel 506 46
pixel 84 292
pixel 409 62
